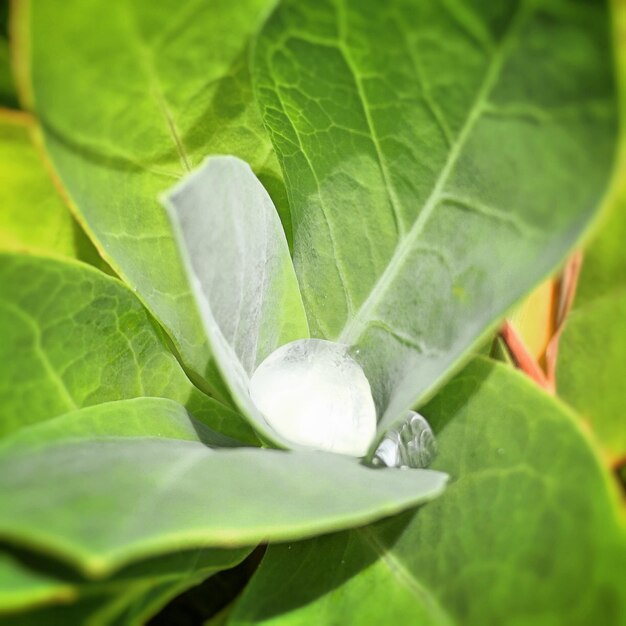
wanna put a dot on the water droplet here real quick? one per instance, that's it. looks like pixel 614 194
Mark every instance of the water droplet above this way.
pixel 500 451
pixel 411 445
pixel 312 392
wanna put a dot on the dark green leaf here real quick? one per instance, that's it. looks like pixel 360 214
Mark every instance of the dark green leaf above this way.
pixel 22 587
pixel 29 581
pixel 527 533
pixel 8 95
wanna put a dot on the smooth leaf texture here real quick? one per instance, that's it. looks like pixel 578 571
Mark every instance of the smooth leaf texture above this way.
pixel 592 369
pixel 93 611
pixel 71 337
pixel 57 595
pixel 128 104
pixel 21 587
pixel 149 604
pixel 527 533
pixel 592 349
pixel 112 500
pixel 33 217
pixel 238 264
pixel 8 96
pixel 440 159
pixel 138 417
pixel 131 605
pixel 7 86
pixel 604 258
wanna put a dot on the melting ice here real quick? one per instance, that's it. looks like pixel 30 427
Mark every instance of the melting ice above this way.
pixel 312 392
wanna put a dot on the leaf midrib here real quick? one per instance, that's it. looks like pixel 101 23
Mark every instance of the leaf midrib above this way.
pixel 147 63
pixel 354 327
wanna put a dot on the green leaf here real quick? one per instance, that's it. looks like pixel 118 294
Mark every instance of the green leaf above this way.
pixel 592 368
pixel 21 587
pixel 94 610
pixel 149 604
pixel 591 364
pixel 71 337
pixel 440 159
pixel 604 257
pixel 237 260
pixel 219 619
pixel 181 563
pixel 138 417
pixel 29 581
pixel 130 605
pixel 528 531
pixel 44 592
pixel 8 96
pixel 34 218
pixel 129 103
pixel 113 500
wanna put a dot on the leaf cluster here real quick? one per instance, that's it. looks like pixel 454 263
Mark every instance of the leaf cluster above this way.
pixel 393 176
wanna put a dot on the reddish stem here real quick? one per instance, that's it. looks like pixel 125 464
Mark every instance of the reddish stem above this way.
pixel 522 357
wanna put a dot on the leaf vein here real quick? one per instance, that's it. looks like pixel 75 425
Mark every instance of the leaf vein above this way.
pixel 355 326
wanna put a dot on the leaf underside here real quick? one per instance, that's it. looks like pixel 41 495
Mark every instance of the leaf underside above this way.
pixel 238 264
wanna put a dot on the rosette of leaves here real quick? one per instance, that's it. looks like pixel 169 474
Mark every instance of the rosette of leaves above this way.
pixel 428 163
